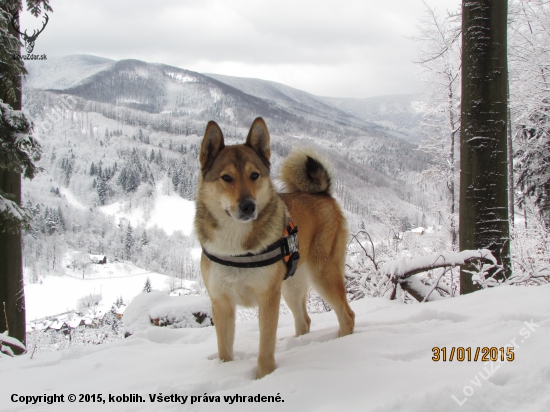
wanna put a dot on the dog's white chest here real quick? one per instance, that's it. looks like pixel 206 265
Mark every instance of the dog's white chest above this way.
pixel 242 285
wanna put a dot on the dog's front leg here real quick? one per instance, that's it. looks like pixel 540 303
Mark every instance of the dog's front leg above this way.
pixel 224 321
pixel 268 315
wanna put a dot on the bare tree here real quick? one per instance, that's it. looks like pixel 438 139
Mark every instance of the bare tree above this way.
pixel 439 49
pixel 530 101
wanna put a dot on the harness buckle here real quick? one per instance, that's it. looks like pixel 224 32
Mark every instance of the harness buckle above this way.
pixel 290 246
pixel 292 264
pixel 290 242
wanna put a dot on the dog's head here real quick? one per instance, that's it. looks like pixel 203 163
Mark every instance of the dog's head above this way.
pixel 237 177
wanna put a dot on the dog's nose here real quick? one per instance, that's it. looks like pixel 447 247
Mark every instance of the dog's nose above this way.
pixel 248 207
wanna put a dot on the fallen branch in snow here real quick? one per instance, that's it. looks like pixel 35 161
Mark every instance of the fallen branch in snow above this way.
pixel 403 268
pixel 434 286
pixel 367 275
pixel 540 277
pixel 7 343
pixel 401 272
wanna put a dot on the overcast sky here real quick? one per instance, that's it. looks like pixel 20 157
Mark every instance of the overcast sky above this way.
pixel 342 48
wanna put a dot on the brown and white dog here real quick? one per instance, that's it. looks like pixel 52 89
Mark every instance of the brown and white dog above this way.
pixel 239 212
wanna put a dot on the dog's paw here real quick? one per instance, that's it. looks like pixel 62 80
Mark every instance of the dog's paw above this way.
pixel 265 369
pixel 345 332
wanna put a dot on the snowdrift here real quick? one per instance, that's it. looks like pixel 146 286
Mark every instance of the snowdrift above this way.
pixel 164 310
pixel 386 365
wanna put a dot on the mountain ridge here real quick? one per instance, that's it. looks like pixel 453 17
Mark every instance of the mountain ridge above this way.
pixel 160 88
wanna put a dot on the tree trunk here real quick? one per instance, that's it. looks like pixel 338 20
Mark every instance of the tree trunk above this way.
pixel 511 182
pixel 483 152
pixel 11 268
pixel 11 262
pixel 451 182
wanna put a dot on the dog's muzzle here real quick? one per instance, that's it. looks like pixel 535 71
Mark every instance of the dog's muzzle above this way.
pixel 247 210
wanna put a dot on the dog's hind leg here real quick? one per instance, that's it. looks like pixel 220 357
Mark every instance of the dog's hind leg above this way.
pixel 328 280
pixel 224 322
pixel 268 315
pixel 295 291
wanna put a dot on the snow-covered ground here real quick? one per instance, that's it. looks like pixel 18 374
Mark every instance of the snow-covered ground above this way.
pixel 386 365
pixel 58 294
pixel 171 212
pixel 71 198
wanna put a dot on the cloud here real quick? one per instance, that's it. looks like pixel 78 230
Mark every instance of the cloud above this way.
pixel 347 48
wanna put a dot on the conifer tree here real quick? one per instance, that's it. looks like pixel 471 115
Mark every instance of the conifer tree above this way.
pixel 102 191
pixel 144 239
pixel 129 242
pixel 147 288
pixel 18 154
pixel 176 180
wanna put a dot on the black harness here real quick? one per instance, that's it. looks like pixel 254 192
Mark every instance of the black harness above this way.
pixel 285 249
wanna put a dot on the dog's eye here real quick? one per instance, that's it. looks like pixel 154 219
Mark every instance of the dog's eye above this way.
pixel 254 176
pixel 227 178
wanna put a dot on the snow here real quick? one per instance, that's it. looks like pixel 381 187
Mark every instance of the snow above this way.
pixel 59 294
pixel 173 213
pixel 73 323
pixel 4 338
pixel 122 211
pixel 196 253
pixel 11 208
pixel 399 267
pixel 71 198
pixel 63 72
pixel 178 310
pixel 181 77
pixel 170 212
pixel 97 258
pixel 215 94
pixel 386 365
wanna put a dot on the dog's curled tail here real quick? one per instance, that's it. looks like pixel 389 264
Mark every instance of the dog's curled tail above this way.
pixel 306 171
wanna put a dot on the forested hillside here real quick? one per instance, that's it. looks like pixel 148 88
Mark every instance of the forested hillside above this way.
pixel 120 161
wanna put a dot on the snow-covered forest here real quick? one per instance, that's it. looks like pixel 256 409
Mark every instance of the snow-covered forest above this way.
pixel 124 161
pixel 111 263
pixel 115 151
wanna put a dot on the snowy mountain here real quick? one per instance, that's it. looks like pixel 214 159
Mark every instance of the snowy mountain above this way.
pixel 396 112
pixel 288 97
pixel 176 103
pixel 60 73
pixel 158 88
pixel 120 146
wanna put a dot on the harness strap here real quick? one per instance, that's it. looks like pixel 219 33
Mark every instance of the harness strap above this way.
pixel 285 249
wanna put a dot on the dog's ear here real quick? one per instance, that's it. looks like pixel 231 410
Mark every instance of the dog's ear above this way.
pixel 258 140
pixel 212 144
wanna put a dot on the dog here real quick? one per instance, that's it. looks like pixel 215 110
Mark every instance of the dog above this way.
pixel 239 214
